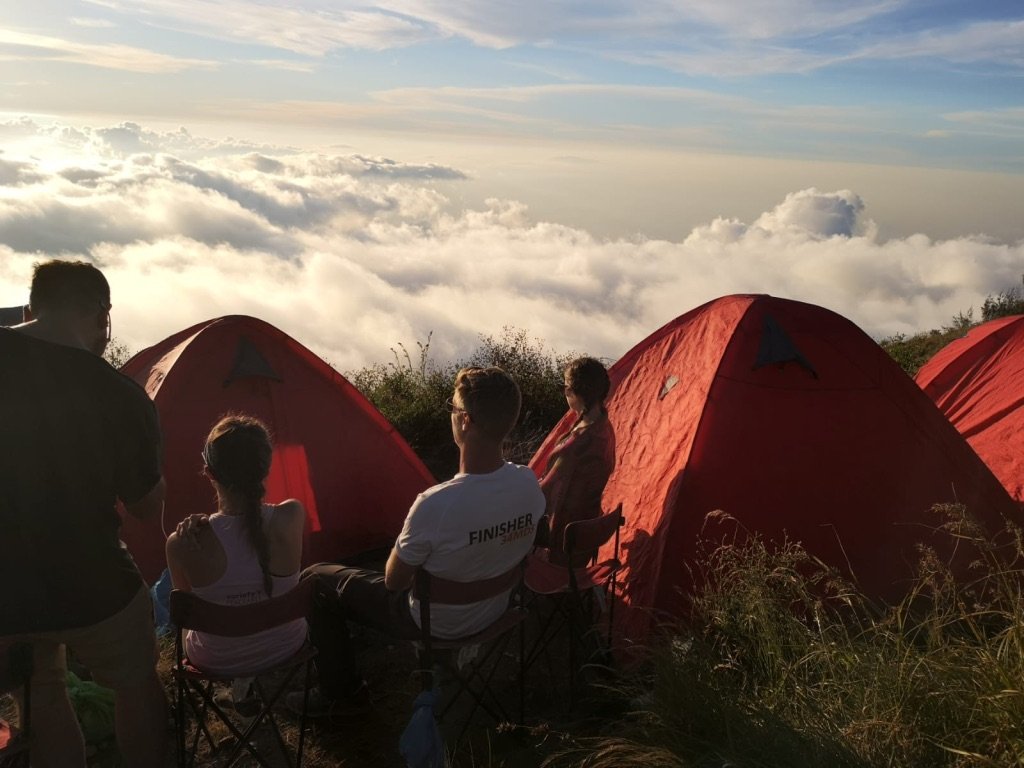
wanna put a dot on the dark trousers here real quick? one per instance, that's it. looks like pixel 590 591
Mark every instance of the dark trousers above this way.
pixel 347 594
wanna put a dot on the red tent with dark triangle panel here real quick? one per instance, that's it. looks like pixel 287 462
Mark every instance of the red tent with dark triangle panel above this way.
pixel 334 451
pixel 790 419
pixel 978 382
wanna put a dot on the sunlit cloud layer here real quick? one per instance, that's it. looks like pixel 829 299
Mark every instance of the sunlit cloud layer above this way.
pixel 353 254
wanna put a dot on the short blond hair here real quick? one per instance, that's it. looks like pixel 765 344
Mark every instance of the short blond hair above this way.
pixel 491 398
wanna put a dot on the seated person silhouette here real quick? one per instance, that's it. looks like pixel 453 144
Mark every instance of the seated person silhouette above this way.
pixel 246 552
pixel 476 526
pixel 582 460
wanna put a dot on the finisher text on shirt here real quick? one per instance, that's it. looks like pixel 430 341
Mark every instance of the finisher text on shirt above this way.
pixel 508 530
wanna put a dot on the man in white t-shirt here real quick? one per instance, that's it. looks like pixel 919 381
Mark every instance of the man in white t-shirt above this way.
pixel 476 526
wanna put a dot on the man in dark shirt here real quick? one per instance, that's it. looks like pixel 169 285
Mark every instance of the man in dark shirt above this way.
pixel 78 436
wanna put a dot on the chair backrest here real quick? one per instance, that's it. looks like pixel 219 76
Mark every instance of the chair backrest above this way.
pixel 590 535
pixel 189 611
pixel 429 589
pixel 437 590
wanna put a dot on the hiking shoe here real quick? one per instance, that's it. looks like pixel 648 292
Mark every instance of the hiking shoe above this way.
pixel 319 705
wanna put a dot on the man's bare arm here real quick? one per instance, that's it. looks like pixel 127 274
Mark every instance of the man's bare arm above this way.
pixel 150 505
pixel 173 552
pixel 398 575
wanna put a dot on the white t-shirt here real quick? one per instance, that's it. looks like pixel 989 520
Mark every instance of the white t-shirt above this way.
pixel 470 528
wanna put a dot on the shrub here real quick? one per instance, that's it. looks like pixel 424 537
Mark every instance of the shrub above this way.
pixel 914 351
pixel 782 663
pixel 411 394
pixel 1008 302
pixel 412 397
pixel 911 352
pixel 117 353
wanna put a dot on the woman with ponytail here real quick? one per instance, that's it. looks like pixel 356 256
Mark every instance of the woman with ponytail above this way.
pixel 583 458
pixel 246 552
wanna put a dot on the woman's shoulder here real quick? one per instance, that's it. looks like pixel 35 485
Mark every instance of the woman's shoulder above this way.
pixel 196 549
pixel 287 513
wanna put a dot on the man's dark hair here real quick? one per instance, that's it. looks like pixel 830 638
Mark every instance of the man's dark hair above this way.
pixel 588 378
pixel 76 285
pixel 491 398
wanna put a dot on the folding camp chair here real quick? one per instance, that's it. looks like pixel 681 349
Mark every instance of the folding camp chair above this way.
pixel 195 688
pixel 477 674
pixel 575 592
pixel 15 676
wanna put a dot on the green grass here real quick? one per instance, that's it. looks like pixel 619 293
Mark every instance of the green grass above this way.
pixel 783 663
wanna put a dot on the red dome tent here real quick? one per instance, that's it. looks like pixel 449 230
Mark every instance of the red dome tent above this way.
pixel 334 451
pixel 789 418
pixel 978 382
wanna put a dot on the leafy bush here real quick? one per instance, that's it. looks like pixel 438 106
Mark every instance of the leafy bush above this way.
pixel 782 663
pixel 911 352
pixel 914 351
pixel 411 394
pixel 117 353
pixel 1008 302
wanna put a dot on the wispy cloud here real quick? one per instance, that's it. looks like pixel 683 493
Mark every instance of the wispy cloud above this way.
pixel 286 65
pixel 1000 42
pixel 91 23
pixel 508 105
pixel 771 19
pixel 996 122
pixel 297 27
pixel 16 45
pixel 703 37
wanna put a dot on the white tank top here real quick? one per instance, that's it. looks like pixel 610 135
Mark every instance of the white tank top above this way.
pixel 241 584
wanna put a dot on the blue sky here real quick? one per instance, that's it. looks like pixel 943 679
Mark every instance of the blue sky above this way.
pixel 936 83
pixel 638 158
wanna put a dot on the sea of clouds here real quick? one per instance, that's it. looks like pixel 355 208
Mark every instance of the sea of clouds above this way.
pixel 352 255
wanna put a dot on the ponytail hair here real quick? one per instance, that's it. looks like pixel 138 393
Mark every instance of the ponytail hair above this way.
pixel 237 453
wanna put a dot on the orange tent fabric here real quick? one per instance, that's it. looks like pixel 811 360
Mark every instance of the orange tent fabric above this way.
pixel 978 382
pixel 790 419
pixel 334 451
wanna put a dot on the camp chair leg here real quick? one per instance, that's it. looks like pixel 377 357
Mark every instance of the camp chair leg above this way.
pixel 266 714
pixel 302 717
pixel 180 721
pixel 575 609
pixel 572 653
pixel 550 627
pixel 241 740
pixel 278 738
pixel 465 682
pixel 199 709
pixel 522 673
pixel 611 611
pixel 479 691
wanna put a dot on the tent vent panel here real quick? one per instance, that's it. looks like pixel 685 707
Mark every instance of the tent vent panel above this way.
pixel 777 348
pixel 250 363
